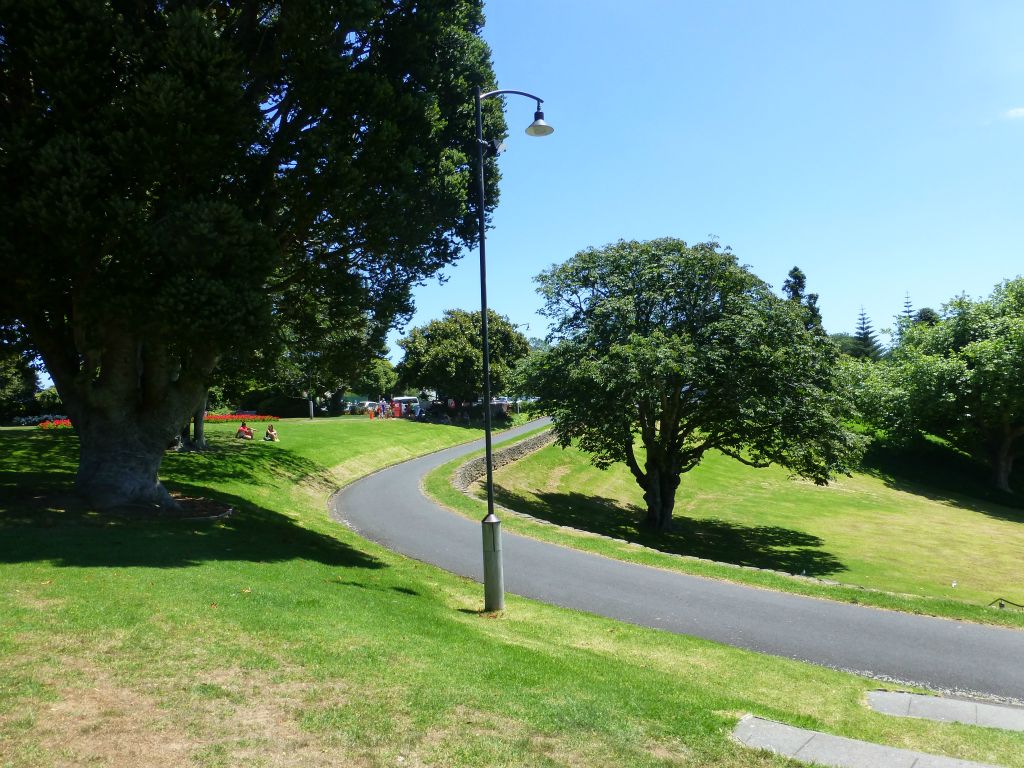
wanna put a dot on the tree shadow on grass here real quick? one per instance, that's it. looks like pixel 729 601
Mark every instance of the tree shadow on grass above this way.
pixel 938 472
pixel 42 520
pixel 772 547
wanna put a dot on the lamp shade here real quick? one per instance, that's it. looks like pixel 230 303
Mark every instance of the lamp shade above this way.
pixel 538 127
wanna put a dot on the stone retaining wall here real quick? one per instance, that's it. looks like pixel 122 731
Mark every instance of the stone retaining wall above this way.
pixel 476 468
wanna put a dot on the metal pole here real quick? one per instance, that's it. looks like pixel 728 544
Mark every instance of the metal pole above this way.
pixel 494 578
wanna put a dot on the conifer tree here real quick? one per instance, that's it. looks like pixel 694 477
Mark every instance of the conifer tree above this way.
pixel 865 342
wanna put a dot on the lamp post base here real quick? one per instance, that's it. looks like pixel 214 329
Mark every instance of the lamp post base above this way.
pixel 494 577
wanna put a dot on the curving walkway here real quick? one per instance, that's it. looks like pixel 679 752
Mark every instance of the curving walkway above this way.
pixel 388 508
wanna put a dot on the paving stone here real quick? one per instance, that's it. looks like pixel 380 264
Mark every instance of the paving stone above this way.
pixel 889 703
pixel 945 710
pixel 993 716
pixel 767 734
pixel 850 753
pixel 835 751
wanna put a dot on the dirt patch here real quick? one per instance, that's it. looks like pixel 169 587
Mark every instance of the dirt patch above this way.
pixel 98 722
pixel 227 716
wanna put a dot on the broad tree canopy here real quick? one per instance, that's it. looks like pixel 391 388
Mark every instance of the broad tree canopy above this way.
pixel 682 347
pixel 447 354
pixel 176 178
pixel 960 376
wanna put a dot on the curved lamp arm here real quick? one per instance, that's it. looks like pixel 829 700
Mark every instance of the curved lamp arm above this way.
pixel 490 94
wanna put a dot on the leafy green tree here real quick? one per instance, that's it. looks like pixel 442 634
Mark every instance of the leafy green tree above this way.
pixel 927 315
pixel 962 378
pixel 845 341
pixel 179 178
pixel 447 354
pixel 377 379
pixel 865 342
pixel 686 350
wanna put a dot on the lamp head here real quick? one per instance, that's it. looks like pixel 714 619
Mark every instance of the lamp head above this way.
pixel 538 127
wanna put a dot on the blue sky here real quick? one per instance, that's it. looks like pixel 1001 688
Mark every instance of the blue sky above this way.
pixel 877 145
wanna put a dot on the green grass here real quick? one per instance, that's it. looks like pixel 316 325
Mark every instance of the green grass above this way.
pixel 886 537
pixel 277 637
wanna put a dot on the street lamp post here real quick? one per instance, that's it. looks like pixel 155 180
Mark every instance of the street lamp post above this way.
pixel 494 578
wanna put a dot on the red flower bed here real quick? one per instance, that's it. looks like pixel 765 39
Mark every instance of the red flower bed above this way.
pixel 223 417
pixel 55 424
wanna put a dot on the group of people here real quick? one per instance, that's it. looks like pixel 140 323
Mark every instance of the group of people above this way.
pixel 245 433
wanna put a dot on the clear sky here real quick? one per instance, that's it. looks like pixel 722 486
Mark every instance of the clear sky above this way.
pixel 878 145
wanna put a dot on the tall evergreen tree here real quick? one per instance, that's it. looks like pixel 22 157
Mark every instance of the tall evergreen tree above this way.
pixel 866 344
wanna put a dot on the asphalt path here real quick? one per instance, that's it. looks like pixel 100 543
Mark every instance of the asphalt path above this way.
pixel 389 508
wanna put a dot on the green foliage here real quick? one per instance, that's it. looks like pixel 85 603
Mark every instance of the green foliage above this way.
pixel 17 384
pixel 447 354
pixel 682 346
pixel 961 377
pixel 377 380
pixel 181 182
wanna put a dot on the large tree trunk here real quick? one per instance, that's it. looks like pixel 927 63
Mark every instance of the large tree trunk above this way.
pixel 119 461
pixel 1002 465
pixel 127 398
pixel 660 495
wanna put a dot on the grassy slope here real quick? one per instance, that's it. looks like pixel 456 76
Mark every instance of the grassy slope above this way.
pixel 880 531
pixel 279 638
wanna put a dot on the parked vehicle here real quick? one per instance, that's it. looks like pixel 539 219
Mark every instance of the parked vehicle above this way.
pixel 410 405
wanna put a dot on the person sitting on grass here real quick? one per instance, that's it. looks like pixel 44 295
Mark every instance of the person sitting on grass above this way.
pixel 244 432
pixel 271 435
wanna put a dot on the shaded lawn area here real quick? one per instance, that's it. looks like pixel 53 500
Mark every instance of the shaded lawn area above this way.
pixel 773 547
pixel 886 530
pixel 277 637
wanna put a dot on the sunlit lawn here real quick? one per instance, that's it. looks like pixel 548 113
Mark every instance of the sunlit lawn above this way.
pixel 277 637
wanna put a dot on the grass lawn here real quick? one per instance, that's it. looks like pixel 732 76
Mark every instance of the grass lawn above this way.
pixel 886 530
pixel 277 637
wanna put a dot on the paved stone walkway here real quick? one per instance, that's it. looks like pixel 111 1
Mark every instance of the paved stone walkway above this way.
pixel 947 710
pixel 835 751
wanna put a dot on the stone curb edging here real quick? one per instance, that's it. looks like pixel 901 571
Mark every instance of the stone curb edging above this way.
pixel 476 468
pixel 986 714
pixel 837 751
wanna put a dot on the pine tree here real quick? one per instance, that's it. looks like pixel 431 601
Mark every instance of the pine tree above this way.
pixel 865 342
pixel 908 306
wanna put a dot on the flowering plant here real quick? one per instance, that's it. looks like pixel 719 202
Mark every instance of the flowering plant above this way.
pixel 55 424
pixel 225 417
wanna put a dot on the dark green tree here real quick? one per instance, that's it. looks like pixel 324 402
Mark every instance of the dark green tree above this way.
pixel 447 354
pixel 927 315
pixel 682 348
pixel 795 289
pixel 18 384
pixel 179 178
pixel 865 342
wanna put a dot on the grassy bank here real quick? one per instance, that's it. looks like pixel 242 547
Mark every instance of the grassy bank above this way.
pixel 276 637
pixel 884 540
